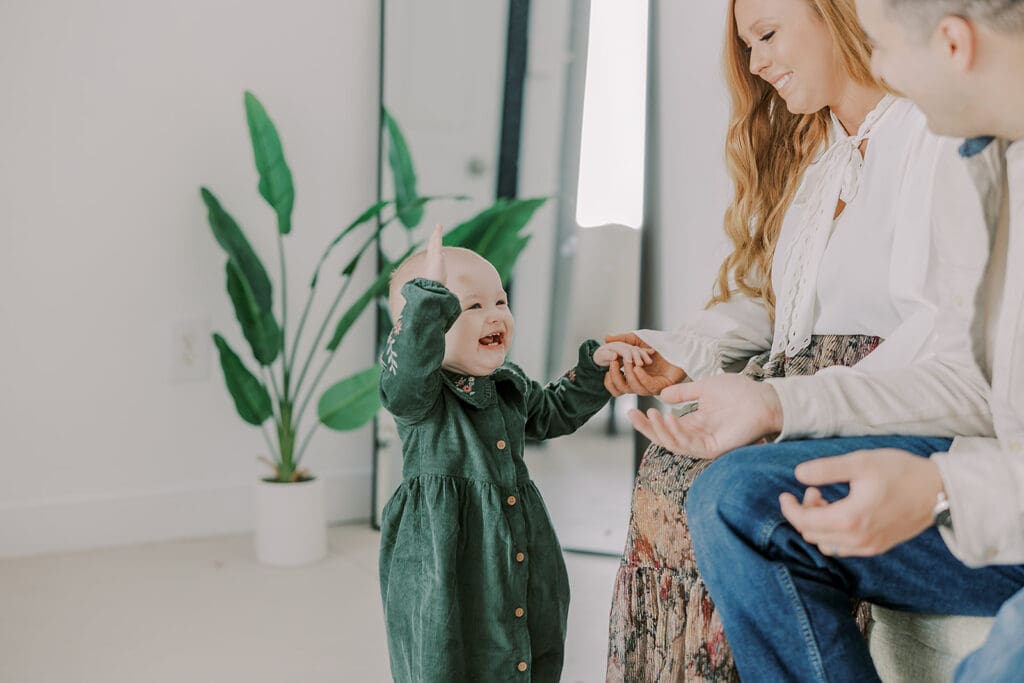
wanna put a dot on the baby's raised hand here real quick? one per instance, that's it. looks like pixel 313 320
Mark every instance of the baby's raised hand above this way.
pixel 630 354
pixel 434 268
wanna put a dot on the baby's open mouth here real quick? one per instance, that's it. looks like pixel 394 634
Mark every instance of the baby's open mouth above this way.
pixel 493 341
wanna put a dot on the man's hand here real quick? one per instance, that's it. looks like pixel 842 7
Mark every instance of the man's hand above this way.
pixel 732 411
pixel 630 355
pixel 892 495
pixel 434 267
pixel 646 380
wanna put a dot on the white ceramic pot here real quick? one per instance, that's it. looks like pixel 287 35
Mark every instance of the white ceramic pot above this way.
pixel 291 523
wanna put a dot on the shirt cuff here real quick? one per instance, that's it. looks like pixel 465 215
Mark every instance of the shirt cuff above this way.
pixel 804 414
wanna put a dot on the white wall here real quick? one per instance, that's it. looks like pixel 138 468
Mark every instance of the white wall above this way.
pixel 115 111
pixel 692 187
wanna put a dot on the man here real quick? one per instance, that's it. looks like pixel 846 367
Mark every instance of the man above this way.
pixel 938 534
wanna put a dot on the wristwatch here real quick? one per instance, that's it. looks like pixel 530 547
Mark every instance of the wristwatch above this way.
pixel 941 516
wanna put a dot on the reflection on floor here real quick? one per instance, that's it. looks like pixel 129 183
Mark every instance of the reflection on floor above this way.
pixel 587 479
pixel 204 611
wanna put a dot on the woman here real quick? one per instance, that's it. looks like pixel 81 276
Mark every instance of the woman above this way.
pixel 831 215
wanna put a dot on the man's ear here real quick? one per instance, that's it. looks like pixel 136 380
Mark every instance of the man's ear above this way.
pixel 957 38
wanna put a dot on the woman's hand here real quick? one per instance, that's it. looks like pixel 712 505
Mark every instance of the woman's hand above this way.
pixel 434 268
pixel 646 380
pixel 732 411
pixel 630 355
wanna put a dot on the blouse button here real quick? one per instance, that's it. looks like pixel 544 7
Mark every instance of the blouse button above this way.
pixel 511 500
pixel 521 666
pixel 501 445
pixel 519 612
pixel 520 557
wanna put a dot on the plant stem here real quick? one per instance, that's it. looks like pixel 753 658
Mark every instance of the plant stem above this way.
pixel 305 442
pixel 298 333
pixel 286 438
pixel 285 372
pixel 316 382
pixel 270 445
pixel 277 392
pixel 320 334
pixel 327 318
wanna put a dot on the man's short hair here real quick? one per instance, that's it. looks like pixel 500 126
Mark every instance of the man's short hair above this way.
pixel 1001 15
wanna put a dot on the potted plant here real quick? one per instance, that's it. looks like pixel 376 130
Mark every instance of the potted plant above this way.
pixel 290 513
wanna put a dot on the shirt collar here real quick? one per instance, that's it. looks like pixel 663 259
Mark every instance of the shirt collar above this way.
pixel 975 146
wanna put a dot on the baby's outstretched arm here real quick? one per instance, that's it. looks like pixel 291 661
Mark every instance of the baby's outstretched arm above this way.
pixel 630 354
pixel 410 380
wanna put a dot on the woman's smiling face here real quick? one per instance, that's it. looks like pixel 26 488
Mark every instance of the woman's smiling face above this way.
pixel 791 48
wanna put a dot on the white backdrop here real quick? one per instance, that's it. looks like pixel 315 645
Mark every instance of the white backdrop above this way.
pixel 115 111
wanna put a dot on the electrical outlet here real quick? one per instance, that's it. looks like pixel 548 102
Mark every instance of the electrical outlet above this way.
pixel 190 349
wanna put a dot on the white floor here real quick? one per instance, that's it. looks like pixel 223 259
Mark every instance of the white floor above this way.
pixel 204 611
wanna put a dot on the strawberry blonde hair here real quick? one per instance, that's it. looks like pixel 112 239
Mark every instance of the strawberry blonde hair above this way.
pixel 767 150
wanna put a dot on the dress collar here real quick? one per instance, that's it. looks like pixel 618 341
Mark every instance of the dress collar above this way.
pixel 481 392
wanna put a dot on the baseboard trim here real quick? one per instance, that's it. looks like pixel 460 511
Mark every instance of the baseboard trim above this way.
pixel 87 522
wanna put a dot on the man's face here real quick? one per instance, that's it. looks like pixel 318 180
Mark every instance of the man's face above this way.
pixel 920 67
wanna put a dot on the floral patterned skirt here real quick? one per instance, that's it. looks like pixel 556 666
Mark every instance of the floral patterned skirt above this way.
pixel 663 624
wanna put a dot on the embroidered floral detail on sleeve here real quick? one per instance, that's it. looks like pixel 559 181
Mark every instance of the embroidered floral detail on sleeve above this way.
pixel 571 374
pixel 389 359
pixel 465 385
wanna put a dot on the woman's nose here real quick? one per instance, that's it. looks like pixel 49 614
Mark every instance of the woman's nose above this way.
pixel 758 60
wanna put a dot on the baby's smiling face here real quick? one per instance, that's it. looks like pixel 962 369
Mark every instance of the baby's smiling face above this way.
pixel 478 342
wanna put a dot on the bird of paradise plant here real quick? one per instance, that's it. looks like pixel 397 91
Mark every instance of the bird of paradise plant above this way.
pixel 283 389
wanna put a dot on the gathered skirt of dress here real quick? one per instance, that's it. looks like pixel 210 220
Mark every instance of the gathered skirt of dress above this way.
pixel 663 625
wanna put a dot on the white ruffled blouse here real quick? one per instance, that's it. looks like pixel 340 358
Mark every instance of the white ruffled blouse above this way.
pixel 861 273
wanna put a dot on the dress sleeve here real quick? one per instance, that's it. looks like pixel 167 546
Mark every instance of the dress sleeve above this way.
pixel 725 334
pixel 930 379
pixel 410 378
pixel 565 404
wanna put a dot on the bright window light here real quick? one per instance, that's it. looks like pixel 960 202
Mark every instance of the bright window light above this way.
pixel 611 181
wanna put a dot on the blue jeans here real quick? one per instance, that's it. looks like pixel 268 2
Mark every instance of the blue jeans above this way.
pixel 787 609
pixel 1001 657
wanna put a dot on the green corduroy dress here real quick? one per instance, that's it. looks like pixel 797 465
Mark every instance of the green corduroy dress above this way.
pixel 471 572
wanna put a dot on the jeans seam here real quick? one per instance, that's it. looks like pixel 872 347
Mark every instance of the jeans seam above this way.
pixel 801 615
pixel 782 573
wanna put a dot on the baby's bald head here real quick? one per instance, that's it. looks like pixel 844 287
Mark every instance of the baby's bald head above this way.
pixel 459 262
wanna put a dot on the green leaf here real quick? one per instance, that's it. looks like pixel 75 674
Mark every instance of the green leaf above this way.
pixel 259 327
pixel 275 176
pixel 494 233
pixel 251 398
pixel 230 236
pixel 364 217
pixel 410 211
pixel 378 287
pixel 352 402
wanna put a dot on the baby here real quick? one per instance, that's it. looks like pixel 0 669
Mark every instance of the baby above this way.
pixel 472 575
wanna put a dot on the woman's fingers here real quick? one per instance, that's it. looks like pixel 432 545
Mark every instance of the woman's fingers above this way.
pixel 613 380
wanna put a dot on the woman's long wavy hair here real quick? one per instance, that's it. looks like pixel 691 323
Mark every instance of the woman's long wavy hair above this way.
pixel 768 149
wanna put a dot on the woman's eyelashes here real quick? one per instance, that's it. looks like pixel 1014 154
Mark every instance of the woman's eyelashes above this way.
pixel 766 38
